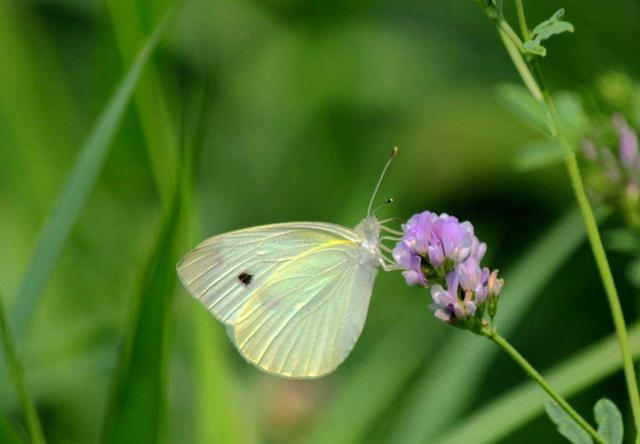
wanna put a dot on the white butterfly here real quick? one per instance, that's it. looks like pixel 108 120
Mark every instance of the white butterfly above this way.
pixel 294 296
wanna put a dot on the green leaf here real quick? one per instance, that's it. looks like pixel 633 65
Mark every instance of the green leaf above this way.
pixel 609 421
pixel 571 112
pixel 622 240
pixel 75 193
pixel 538 154
pixel 633 272
pixel 136 409
pixel 544 30
pixel 437 393
pixel 525 402
pixel 566 425
pixel 519 101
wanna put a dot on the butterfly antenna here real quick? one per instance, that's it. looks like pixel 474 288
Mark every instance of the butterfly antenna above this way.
pixel 394 151
pixel 386 202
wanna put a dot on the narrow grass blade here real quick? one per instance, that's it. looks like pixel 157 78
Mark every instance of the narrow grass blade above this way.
pixel 524 403
pixel 149 99
pixel 438 397
pixel 136 409
pixel 17 373
pixel 218 415
pixel 75 193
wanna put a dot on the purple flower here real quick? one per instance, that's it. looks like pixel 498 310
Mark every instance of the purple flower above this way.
pixel 494 285
pixel 411 262
pixel 438 239
pixel 627 142
pixel 450 240
pixel 448 307
pixel 441 253
pixel 589 150
pixel 474 279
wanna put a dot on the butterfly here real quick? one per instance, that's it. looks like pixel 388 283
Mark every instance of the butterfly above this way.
pixel 294 296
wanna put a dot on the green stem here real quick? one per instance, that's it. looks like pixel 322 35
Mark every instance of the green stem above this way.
pixel 17 373
pixel 528 368
pixel 522 20
pixel 601 261
pixel 534 81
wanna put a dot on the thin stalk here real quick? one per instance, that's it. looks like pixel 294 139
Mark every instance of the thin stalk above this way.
pixel 522 20
pixel 17 373
pixel 537 377
pixel 593 234
pixel 601 261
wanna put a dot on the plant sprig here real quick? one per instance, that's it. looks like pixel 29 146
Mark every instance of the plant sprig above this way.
pixel 531 74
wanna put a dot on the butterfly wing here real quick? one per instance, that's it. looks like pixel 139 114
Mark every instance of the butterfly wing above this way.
pixel 308 315
pixel 271 284
pixel 223 271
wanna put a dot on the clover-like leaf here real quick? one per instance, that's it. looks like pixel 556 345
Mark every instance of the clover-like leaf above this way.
pixel 566 425
pixel 544 30
pixel 538 154
pixel 528 110
pixel 609 421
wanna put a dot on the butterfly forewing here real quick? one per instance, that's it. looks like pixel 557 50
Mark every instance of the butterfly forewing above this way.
pixel 223 271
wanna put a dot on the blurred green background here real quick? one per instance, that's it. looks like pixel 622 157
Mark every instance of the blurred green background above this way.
pixel 302 102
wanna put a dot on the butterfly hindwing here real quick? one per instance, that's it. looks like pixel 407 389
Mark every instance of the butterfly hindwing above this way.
pixel 306 318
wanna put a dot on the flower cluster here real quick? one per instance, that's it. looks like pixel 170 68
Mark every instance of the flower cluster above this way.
pixel 614 174
pixel 440 253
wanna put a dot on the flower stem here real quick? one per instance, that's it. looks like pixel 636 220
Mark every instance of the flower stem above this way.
pixel 532 372
pixel 33 423
pixel 532 76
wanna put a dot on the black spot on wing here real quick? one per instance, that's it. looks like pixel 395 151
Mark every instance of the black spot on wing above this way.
pixel 245 278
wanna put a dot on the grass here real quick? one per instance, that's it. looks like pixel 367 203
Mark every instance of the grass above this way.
pixel 75 193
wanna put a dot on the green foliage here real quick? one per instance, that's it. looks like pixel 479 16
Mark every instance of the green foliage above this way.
pixel 571 113
pixel 566 425
pixel 136 410
pixel 525 402
pixel 518 100
pixel 17 374
pixel 378 379
pixel 76 191
pixel 538 154
pixel 150 101
pixel 609 421
pixel 622 240
pixel 607 416
pixel 8 434
pixel 545 30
